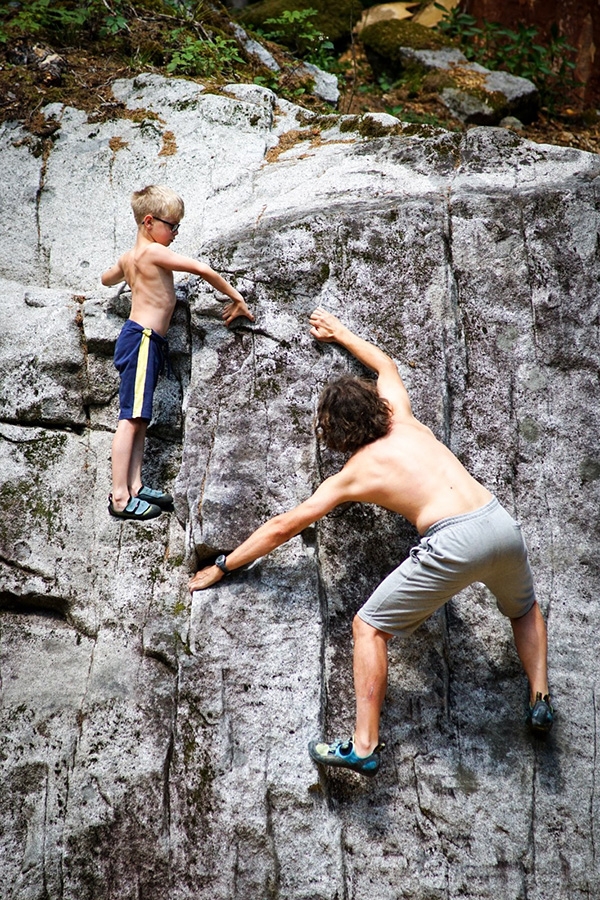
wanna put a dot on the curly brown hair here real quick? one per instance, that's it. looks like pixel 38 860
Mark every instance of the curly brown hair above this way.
pixel 351 414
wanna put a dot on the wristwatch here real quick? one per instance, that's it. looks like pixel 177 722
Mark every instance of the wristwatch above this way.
pixel 221 564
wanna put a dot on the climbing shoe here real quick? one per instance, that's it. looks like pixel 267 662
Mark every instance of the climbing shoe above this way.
pixel 342 755
pixel 136 510
pixel 158 498
pixel 541 714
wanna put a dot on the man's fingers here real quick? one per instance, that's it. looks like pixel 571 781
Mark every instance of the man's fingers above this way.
pixel 198 582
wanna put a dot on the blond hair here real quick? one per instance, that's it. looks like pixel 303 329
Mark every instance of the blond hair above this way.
pixel 156 200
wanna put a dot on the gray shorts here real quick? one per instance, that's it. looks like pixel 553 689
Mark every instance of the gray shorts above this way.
pixel 485 546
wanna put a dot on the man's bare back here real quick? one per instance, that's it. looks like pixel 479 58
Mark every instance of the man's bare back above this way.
pixel 412 473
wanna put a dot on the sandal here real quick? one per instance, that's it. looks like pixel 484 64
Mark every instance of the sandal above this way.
pixel 136 509
pixel 341 754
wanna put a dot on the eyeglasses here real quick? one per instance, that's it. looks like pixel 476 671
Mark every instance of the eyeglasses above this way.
pixel 174 226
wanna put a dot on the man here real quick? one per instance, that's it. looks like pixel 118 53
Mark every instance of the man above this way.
pixel 467 536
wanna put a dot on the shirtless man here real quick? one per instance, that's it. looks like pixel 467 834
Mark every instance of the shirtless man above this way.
pixel 141 347
pixel 467 536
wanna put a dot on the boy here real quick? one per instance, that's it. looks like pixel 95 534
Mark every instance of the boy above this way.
pixel 141 347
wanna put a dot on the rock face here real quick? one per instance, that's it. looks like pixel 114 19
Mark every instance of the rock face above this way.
pixel 154 745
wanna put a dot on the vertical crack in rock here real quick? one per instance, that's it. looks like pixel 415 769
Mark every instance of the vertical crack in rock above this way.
pixel 70 768
pixel 447 668
pixel 343 864
pixel 324 611
pixel 167 767
pixel 453 297
pixel 274 884
pixel 166 796
pixel 452 292
pixel 527 252
pixel 593 791
pixel 532 822
pixel 43 253
pixel 45 893
pixel 213 439
pixel 80 717
pixel 252 385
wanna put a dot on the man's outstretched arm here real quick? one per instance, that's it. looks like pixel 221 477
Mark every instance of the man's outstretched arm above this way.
pixel 279 529
pixel 328 328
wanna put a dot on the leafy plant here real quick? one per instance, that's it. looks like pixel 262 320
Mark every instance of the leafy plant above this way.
pixel 295 29
pixel 201 57
pixel 548 65
pixel 62 19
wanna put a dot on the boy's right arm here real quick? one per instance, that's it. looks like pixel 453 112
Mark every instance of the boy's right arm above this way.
pixel 114 275
pixel 326 327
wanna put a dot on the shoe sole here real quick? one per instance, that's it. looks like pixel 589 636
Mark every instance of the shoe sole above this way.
pixel 131 517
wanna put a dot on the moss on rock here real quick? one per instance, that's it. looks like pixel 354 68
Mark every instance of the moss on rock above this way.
pixel 388 36
pixel 383 42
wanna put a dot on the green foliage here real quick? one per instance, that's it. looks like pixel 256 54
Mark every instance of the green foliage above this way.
pixel 62 19
pixel 549 66
pixel 201 57
pixel 190 48
pixel 296 31
pixel 334 19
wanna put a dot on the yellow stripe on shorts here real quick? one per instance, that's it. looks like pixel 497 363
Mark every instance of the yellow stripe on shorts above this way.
pixel 140 373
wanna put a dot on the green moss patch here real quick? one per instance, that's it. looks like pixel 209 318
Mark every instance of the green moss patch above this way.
pixel 383 42
pixel 387 36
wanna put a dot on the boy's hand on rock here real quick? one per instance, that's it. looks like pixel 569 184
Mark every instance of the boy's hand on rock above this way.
pixel 234 309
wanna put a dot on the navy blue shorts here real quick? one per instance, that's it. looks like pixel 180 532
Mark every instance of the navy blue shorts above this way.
pixel 140 355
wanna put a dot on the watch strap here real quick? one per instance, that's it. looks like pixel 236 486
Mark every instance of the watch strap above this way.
pixel 221 563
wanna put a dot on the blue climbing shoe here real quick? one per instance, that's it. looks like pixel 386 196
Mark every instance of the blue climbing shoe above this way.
pixel 157 498
pixel 137 510
pixel 341 754
pixel 541 714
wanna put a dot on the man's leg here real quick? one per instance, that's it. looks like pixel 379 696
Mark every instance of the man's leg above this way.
pixel 532 646
pixel 370 683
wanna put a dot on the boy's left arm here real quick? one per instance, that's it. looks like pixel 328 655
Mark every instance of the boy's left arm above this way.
pixel 177 263
pixel 237 306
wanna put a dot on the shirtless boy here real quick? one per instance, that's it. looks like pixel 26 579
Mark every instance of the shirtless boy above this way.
pixel 141 347
pixel 467 536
